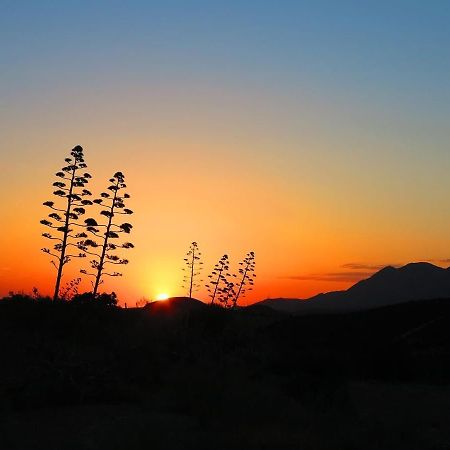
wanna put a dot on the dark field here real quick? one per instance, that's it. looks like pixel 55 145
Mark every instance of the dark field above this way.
pixel 185 376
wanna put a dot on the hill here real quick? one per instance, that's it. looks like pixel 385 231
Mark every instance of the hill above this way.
pixel 389 286
pixel 175 305
pixel 99 377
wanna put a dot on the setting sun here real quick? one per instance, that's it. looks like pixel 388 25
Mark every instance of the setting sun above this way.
pixel 162 296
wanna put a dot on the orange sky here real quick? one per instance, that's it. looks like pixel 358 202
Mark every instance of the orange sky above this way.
pixel 303 234
pixel 314 135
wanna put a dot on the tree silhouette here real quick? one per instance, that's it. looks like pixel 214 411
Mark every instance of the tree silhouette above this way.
pixel 113 203
pixel 217 277
pixel 247 276
pixel 71 188
pixel 193 267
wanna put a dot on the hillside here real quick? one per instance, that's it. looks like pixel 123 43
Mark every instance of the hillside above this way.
pixel 389 286
pixel 86 377
pixel 184 375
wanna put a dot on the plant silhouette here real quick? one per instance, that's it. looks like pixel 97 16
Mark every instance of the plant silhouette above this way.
pixel 70 290
pixel 193 268
pixel 247 276
pixel 226 294
pixel 88 299
pixel 218 277
pixel 113 203
pixel 71 188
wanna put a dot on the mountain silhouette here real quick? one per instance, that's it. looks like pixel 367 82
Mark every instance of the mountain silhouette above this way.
pixel 389 286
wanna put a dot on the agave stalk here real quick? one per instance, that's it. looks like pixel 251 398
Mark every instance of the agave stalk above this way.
pixel 247 272
pixel 106 256
pixel 218 277
pixel 193 267
pixel 65 218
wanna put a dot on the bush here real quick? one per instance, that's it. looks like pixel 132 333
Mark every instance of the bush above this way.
pixel 88 298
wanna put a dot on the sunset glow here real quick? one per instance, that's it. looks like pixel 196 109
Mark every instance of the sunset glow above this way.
pixel 224 224
pixel 266 130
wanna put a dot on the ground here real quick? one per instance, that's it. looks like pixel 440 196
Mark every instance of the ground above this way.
pixel 197 377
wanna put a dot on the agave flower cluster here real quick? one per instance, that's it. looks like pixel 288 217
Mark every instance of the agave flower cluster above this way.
pixel 223 287
pixel 71 193
pixel 227 294
pixel 218 280
pixel 231 291
pixel 97 238
pixel 193 269
pixel 103 242
pixel 246 276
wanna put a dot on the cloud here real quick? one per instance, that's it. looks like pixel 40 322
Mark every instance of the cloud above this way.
pixel 361 266
pixel 439 261
pixel 355 272
pixel 331 277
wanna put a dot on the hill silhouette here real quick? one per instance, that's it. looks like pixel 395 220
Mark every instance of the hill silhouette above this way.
pixel 175 305
pixel 182 374
pixel 389 286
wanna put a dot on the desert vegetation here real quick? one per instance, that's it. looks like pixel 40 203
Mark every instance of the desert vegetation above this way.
pixel 77 239
pixel 70 188
pixel 99 238
pixel 104 252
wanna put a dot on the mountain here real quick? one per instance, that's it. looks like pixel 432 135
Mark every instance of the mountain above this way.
pixel 389 286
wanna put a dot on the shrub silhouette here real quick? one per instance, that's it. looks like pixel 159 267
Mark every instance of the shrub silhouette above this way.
pixel 71 188
pixel 70 289
pixel 88 298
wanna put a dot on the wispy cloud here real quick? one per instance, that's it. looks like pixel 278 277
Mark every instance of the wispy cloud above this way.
pixel 362 266
pixel 330 276
pixel 439 261
pixel 355 272
pixel 4 271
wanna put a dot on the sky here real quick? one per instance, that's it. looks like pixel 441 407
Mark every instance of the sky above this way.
pixel 314 133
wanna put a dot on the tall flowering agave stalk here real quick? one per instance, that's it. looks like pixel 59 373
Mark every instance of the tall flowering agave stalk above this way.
pixel 104 241
pixel 192 269
pixel 246 276
pixel 66 212
pixel 218 278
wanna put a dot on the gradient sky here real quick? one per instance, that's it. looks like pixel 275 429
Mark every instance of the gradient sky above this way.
pixel 315 133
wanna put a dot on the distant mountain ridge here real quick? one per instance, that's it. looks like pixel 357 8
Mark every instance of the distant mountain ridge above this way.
pixel 389 286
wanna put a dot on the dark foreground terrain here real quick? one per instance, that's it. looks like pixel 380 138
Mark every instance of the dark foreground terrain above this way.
pixel 181 375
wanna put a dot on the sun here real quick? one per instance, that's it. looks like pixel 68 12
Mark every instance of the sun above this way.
pixel 162 296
